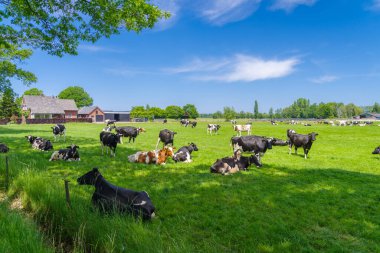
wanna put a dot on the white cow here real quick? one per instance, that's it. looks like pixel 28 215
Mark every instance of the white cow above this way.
pixel 243 128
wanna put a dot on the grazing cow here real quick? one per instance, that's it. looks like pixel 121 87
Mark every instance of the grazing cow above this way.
pixel 213 128
pixel 152 157
pixel 253 144
pixel 184 153
pixel 166 136
pixel 230 165
pixel 233 122
pixel 376 151
pixel 243 128
pixel 110 122
pixel 193 124
pixel 110 141
pixel 69 154
pixel 273 123
pixel 59 130
pixel 165 121
pixel 3 148
pixel 129 131
pixel 108 197
pixel 301 140
pixel 184 122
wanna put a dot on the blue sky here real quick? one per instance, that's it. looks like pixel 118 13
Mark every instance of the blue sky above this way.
pixel 220 53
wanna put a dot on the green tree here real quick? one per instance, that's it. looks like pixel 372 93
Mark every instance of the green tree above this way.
pixel 80 96
pixel 376 108
pixel 191 110
pixel 8 105
pixel 256 110
pixel 229 113
pixel 270 113
pixel 174 112
pixel 157 113
pixel 138 112
pixel 57 27
pixel 10 55
pixel 33 92
pixel 217 115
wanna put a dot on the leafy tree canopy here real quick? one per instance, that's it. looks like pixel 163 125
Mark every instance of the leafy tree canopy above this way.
pixel 34 92
pixel 8 105
pixel 80 96
pixel 174 112
pixel 191 110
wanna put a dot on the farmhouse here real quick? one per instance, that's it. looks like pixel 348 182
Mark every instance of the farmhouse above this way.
pixel 118 115
pixel 93 112
pixel 370 115
pixel 49 107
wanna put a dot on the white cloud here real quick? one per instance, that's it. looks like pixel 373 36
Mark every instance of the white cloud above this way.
pixel 239 68
pixel 375 6
pixel 220 12
pixel 289 5
pixel 325 79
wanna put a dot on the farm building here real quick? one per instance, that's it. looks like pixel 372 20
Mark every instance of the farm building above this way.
pixel 49 107
pixel 118 115
pixel 93 112
pixel 370 115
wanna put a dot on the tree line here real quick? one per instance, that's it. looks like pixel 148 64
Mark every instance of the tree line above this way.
pixel 171 112
pixel 301 108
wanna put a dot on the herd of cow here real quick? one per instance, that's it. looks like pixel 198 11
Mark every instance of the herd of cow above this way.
pixel 109 197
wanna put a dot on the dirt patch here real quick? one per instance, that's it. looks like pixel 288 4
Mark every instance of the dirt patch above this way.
pixel 16 204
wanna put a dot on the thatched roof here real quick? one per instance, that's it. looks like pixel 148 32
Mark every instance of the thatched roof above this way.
pixel 49 105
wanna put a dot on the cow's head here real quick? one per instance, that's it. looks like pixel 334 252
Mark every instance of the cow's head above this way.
pixel 269 142
pixel 89 178
pixel 118 137
pixel 73 151
pixel 218 127
pixel 30 138
pixel 313 136
pixel 141 130
pixel 48 145
pixel 290 132
pixel 195 148
pixel 376 151
pixel 164 153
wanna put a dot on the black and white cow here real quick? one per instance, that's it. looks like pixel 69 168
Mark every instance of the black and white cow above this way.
pixel 376 151
pixel 229 165
pixel 252 144
pixel 129 131
pixel 184 153
pixel 69 154
pixel 164 121
pixel 110 122
pixel 58 131
pixel 193 124
pixel 301 140
pixel 109 141
pixel 109 198
pixel 212 128
pixel 166 136
pixel 3 148
pixel 39 143
pixel 279 142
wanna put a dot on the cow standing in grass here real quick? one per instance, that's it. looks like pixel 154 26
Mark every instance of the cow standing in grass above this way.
pixel 110 198
pixel 301 140
pixel 109 141
pixel 166 136
pixel 58 131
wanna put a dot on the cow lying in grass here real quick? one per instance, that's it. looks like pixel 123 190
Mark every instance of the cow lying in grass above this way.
pixel 230 165
pixel 39 143
pixel 108 197
pixel 376 151
pixel 3 148
pixel 184 153
pixel 152 157
pixel 69 154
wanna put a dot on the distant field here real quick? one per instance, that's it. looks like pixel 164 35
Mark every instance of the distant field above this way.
pixel 328 203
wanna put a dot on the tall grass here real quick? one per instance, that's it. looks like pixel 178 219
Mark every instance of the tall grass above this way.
pixel 329 202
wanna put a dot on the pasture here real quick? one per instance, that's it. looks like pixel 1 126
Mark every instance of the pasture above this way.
pixel 327 203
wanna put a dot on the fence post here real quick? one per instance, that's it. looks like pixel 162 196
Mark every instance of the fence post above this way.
pixel 68 202
pixel 6 173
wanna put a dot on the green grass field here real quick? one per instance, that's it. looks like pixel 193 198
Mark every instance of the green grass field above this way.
pixel 328 203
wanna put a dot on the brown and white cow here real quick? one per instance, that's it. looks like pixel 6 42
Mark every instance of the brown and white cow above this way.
pixel 152 157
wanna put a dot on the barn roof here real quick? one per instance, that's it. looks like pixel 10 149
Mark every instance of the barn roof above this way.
pixel 88 109
pixel 49 105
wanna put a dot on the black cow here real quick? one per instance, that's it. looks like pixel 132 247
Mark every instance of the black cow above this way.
pixel 193 124
pixel 110 141
pixel 376 151
pixel 164 121
pixel 3 148
pixel 108 197
pixel 253 144
pixel 129 131
pixel 228 165
pixel 69 154
pixel 301 140
pixel 184 153
pixel 279 142
pixel 59 130
pixel 166 136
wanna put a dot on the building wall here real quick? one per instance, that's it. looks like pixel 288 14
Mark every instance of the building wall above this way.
pixel 71 114
pixel 118 116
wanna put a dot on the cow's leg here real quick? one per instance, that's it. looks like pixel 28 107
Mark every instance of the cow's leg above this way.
pixel 295 149
pixel 290 148
pixel 158 141
pixel 306 152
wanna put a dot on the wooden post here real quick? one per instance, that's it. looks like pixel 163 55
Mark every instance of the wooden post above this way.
pixel 67 193
pixel 6 173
